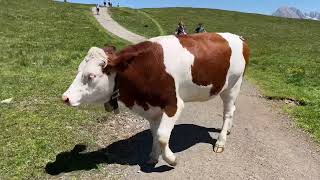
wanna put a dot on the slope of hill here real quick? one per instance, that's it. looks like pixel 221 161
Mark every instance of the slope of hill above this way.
pixel 285 57
pixel 127 16
pixel 41 46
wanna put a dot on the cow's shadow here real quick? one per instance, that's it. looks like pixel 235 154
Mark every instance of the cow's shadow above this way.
pixel 131 151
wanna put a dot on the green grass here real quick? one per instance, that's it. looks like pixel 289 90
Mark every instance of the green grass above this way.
pixel 41 45
pixel 138 21
pixel 285 60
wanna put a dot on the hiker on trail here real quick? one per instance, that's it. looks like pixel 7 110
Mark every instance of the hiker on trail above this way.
pixel 181 29
pixel 98 9
pixel 109 4
pixel 200 28
pixel 104 3
pixel 118 5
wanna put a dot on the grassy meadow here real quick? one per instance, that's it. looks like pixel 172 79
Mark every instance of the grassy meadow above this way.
pixel 285 53
pixel 41 46
pixel 138 21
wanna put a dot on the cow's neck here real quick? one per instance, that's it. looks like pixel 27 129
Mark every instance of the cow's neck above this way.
pixel 113 102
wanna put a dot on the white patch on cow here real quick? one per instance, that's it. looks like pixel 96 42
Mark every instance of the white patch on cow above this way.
pixel 178 62
pixel 237 61
pixel 191 92
pixel 151 114
pixel 91 85
pixel 164 132
pixel 177 59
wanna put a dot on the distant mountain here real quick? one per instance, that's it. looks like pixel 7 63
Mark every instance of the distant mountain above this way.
pixel 292 12
pixel 313 15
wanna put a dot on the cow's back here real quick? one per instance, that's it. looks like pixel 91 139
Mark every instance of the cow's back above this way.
pixel 203 64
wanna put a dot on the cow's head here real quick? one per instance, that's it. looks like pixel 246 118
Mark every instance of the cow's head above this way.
pixel 93 84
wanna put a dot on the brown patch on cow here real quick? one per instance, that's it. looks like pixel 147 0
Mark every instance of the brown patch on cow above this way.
pixel 142 78
pixel 212 59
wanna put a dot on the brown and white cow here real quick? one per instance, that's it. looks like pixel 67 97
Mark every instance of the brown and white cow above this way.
pixel 156 77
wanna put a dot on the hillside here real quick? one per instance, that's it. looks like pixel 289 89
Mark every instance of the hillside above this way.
pixel 285 53
pixel 137 20
pixel 41 46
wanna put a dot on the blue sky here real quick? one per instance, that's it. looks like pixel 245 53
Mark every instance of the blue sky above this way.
pixel 252 6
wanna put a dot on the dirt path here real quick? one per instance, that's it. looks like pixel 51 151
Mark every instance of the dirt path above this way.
pixel 263 144
pixel 108 23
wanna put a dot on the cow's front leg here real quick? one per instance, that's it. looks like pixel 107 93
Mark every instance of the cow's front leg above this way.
pixel 156 151
pixel 164 132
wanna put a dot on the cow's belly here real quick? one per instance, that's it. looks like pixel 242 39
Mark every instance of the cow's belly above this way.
pixel 191 92
pixel 151 113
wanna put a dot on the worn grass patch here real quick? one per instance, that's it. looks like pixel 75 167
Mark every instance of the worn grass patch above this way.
pixel 285 59
pixel 41 45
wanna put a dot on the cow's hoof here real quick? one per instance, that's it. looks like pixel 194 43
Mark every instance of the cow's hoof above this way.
pixel 152 161
pixel 172 162
pixel 218 148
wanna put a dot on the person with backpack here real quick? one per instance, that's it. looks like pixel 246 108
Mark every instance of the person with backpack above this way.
pixel 98 9
pixel 181 29
pixel 200 28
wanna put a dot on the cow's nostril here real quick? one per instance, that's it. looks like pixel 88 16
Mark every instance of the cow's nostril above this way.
pixel 65 99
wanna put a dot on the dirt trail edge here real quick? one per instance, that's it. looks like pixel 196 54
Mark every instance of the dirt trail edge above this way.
pixel 263 143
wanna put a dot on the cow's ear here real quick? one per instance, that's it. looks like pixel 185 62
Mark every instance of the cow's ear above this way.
pixel 121 62
pixel 109 50
pixel 111 53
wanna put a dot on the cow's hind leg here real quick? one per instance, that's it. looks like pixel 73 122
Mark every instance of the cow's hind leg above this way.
pixel 156 151
pixel 228 97
pixel 164 132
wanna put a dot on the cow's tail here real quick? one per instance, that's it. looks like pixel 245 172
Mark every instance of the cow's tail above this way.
pixel 245 52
